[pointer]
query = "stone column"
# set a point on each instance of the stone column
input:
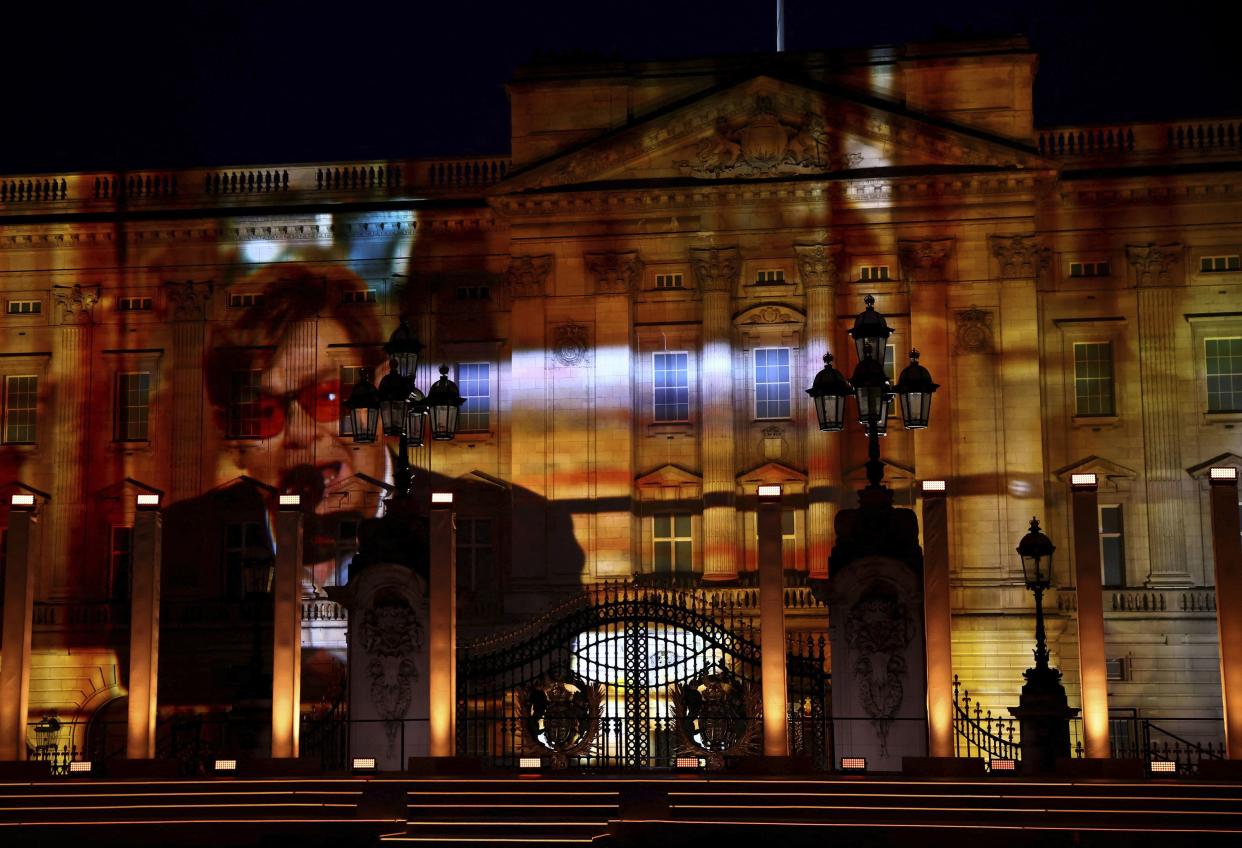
(1227, 550)
(772, 624)
(716, 275)
(938, 619)
(1093, 676)
(144, 628)
(19, 581)
(71, 378)
(1156, 270)
(187, 304)
(613, 277)
(287, 629)
(526, 390)
(819, 267)
(442, 627)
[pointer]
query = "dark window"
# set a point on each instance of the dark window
(246, 405)
(120, 563)
(25, 307)
(1112, 546)
(21, 409)
(475, 557)
(673, 544)
(245, 544)
(133, 406)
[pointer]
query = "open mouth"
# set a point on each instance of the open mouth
(311, 482)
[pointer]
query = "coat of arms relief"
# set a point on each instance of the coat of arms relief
(767, 144)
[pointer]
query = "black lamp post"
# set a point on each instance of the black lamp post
(1043, 710)
(401, 407)
(872, 390)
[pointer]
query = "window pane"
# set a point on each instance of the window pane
(663, 557)
(133, 395)
(662, 526)
(1114, 561)
(21, 403)
(787, 522)
(772, 383)
(671, 386)
(245, 396)
(683, 557)
(1093, 379)
(682, 526)
(1110, 519)
(474, 385)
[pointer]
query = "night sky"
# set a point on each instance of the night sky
(127, 84)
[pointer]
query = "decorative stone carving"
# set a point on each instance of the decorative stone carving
(768, 315)
(924, 260)
(392, 637)
(768, 144)
(569, 344)
(1021, 257)
(878, 630)
(75, 302)
(819, 264)
(1154, 263)
(561, 716)
(527, 275)
(974, 330)
(187, 301)
(615, 273)
(716, 269)
(773, 442)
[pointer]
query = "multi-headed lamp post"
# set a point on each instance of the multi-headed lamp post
(871, 389)
(402, 407)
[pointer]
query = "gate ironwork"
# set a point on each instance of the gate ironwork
(636, 645)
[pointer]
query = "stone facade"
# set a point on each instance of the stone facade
(647, 211)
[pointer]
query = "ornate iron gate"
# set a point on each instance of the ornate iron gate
(647, 674)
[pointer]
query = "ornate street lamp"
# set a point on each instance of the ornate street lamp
(1036, 550)
(401, 407)
(871, 389)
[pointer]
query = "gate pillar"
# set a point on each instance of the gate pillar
(772, 624)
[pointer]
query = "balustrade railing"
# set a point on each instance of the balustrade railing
(977, 733)
(1177, 138)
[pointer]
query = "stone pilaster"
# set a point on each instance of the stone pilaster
(716, 273)
(927, 264)
(187, 306)
(614, 276)
(71, 377)
(299, 363)
(527, 280)
(1156, 269)
(820, 267)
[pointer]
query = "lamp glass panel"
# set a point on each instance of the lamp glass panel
(365, 421)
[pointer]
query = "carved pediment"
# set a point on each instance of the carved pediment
(768, 128)
(772, 474)
(1110, 476)
(126, 487)
(770, 314)
(1224, 460)
(669, 475)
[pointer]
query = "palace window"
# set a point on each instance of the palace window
(1089, 269)
(673, 546)
(133, 406)
(1224, 374)
(1112, 545)
(873, 272)
(1093, 379)
(1117, 668)
(346, 548)
(245, 544)
(670, 372)
(474, 292)
(350, 375)
(1212, 264)
(351, 296)
(134, 304)
(474, 383)
(21, 408)
(669, 281)
(245, 405)
(240, 300)
(120, 563)
(474, 554)
(772, 382)
(775, 275)
(25, 307)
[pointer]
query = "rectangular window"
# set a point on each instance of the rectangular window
(120, 563)
(1231, 262)
(358, 296)
(346, 548)
(350, 374)
(245, 546)
(1112, 546)
(873, 272)
(1093, 379)
(474, 555)
(134, 304)
(669, 281)
(670, 373)
(133, 406)
(474, 292)
(1089, 269)
(473, 381)
(25, 307)
(772, 382)
(673, 544)
(1116, 668)
(245, 405)
(21, 409)
(241, 300)
(770, 276)
(1224, 374)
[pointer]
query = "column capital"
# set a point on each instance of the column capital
(1020, 256)
(1154, 264)
(716, 268)
(76, 302)
(527, 276)
(820, 264)
(925, 260)
(614, 273)
(187, 299)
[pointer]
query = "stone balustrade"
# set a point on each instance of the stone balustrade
(1121, 141)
